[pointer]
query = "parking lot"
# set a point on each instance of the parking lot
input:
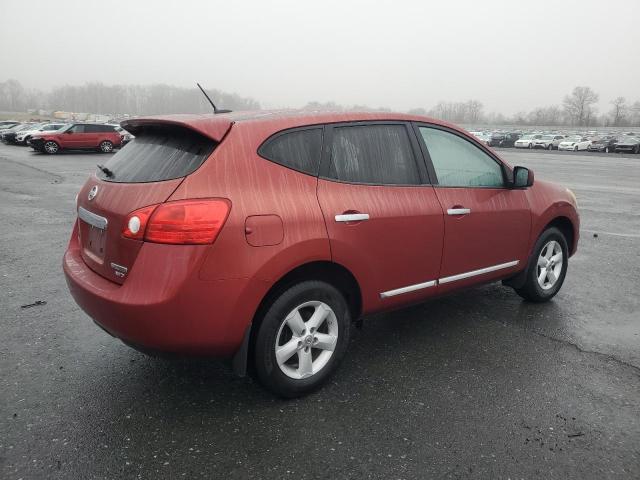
(474, 385)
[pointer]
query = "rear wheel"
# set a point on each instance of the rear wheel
(106, 146)
(547, 267)
(302, 338)
(51, 147)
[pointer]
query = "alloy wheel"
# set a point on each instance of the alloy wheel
(106, 147)
(306, 340)
(51, 147)
(550, 263)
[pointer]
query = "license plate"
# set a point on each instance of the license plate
(96, 241)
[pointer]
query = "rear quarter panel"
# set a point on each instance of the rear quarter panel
(256, 187)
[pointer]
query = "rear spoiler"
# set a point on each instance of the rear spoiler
(214, 127)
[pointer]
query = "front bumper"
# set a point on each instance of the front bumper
(163, 305)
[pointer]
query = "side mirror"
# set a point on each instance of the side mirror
(522, 177)
(69, 131)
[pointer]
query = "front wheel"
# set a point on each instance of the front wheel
(106, 146)
(302, 338)
(547, 267)
(51, 147)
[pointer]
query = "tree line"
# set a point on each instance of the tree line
(577, 109)
(118, 99)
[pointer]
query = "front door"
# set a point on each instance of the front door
(487, 225)
(383, 219)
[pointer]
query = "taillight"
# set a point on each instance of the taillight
(193, 222)
(136, 223)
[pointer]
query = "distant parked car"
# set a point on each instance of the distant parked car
(126, 136)
(23, 137)
(78, 136)
(628, 144)
(503, 139)
(8, 126)
(574, 143)
(9, 136)
(548, 142)
(526, 141)
(482, 137)
(604, 144)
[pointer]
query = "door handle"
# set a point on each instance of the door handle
(458, 211)
(352, 217)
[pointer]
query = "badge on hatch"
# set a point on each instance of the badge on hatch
(93, 192)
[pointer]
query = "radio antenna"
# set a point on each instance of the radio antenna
(216, 110)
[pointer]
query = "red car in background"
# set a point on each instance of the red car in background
(78, 136)
(262, 236)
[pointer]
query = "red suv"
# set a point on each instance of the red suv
(262, 236)
(78, 136)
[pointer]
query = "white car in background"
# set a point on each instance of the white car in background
(548, 142)
(575, 143)
(526, 141)
(23, 136)
(482, 137)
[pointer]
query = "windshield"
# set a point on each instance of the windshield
(49, 128)
(527, 137)
(547, 137)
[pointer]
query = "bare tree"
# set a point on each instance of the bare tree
(579, 105)
(619, 111)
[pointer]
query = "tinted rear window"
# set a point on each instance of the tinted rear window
(157, 154)
(376, 154)
(297, 149)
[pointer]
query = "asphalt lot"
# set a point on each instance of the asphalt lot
(474, 385)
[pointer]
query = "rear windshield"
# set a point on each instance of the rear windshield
(158, 153)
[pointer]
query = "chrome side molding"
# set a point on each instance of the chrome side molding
(410, 288)
(481, 271)
(453, 278)
(92, 219)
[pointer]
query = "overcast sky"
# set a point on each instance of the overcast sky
(510, 55)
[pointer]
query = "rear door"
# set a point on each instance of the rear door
(487, 225)
(91, 136)
(382, 216)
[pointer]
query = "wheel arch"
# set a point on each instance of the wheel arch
(568, 229)
(331, 272)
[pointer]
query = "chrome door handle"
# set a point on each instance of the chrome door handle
(458, 211)
(352, 217)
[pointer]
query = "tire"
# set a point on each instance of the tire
(575, 149)
(106, 146)
(287, 376)
(606, 149)
(51, 147)
(550, 147)
(636, 150)
(534, 289)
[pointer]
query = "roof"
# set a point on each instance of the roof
(215, 126)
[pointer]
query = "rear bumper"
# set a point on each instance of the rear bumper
(163, 305)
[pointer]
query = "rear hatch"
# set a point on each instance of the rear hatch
(144, 172)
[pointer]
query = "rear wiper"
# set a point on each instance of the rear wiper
(105, 170)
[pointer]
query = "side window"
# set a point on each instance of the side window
(92, 128)
(298, 149)
(378, 154)
(459, 163)
(77, 129)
